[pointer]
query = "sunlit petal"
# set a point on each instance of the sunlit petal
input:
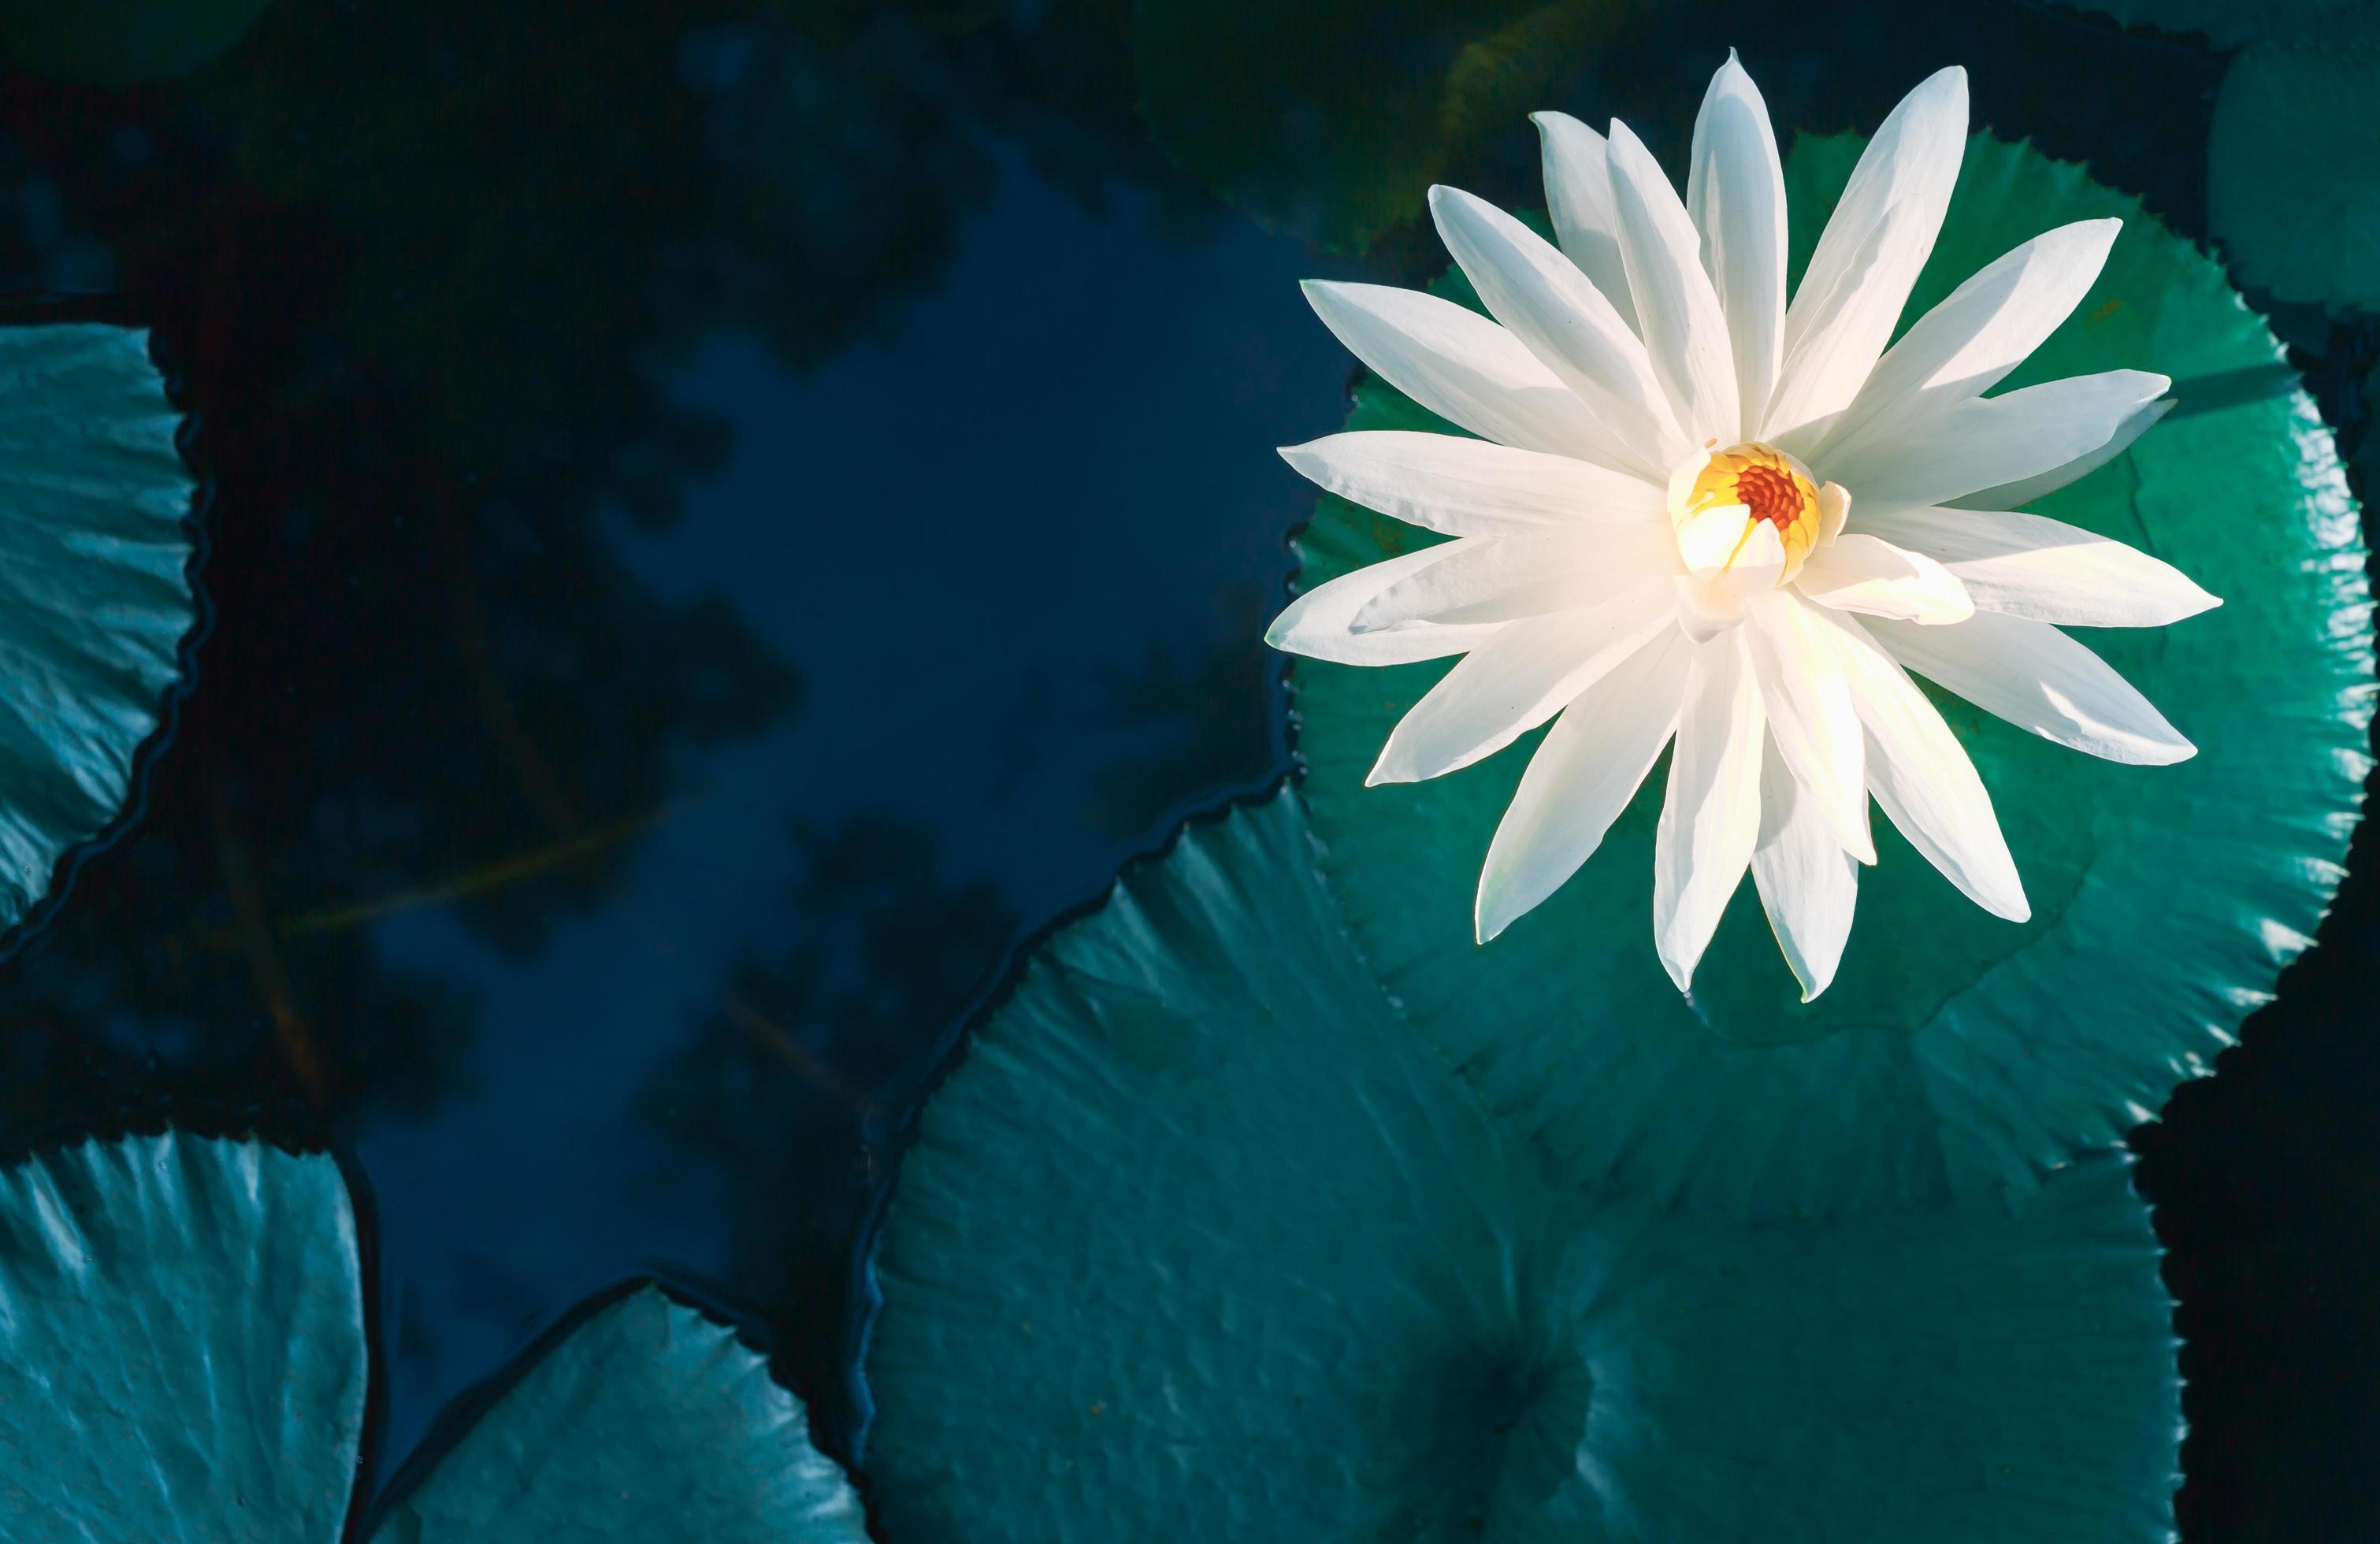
(2031, 566)
(1735, 191)
(1470, 487)
(1808, 885)
(1589, 766)
(1710, 818)
(2037, 678)
(1868, 257)
(1515, 681)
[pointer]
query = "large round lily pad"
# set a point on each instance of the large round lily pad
(1200, 1240)
(1955, 1052)
(94, 588)
(182, 1360)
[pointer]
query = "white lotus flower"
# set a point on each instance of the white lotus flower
(1696, 512)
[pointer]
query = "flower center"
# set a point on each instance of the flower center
(1767, 485)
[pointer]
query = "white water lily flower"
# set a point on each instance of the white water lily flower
(1695, 512)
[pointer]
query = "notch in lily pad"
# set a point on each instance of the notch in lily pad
(182, 1355)
(1201, 1239)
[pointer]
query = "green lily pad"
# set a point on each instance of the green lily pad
(648, 1422)
(94, 588)
(182, 1358)
(1200, 1240)
(120, 43)
(1955, 1052)
(2304, 223)
(181, 1346)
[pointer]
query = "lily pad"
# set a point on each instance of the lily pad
(1200, 1240)
(120, 43)
(182, 1357)
(2304, 225)
(1955, 1052)
(94, 587)
(181, 1345)
(650, 1422)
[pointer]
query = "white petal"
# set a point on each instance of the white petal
(1685, 334)
(1812, 720)
(1861, 573)
(2017, 494)
(1470, 487)
(1580, 778)
(1834, 509)
(1999, 439)
(1920, 773)
(2037, 678)
(1968, 343)
(1710, 817)
(1708, 539)
(1458, 364)
(1578, 195)
(1735, 191)
(1318, 623)
(1481, 579)
(1515, 681)
(1868, 257)
(1545, 301)
(1808, 884)
(2033, 566)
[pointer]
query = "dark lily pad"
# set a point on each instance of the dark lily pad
(1955, 1052)
(1201, 1240)
(182, 1358)
(120, 43)
(2226, 23)
(94, 587)
(2293, 171)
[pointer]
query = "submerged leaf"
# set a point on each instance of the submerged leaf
(1202, 1240)
(1954, 1052)
(181, 1346)
(94, 588)
(120, 43)
(648, 1421)
(1332, 119)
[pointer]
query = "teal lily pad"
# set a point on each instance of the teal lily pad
(1955, 1052)
(181, 1345)
(182, 1357)
(2293, 171)
(121, 42)
(94, 587)
(650, 1422)
(1201, 1240)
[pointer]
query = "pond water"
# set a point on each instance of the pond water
(724, 517)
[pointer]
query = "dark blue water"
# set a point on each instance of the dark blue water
(724, 517)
